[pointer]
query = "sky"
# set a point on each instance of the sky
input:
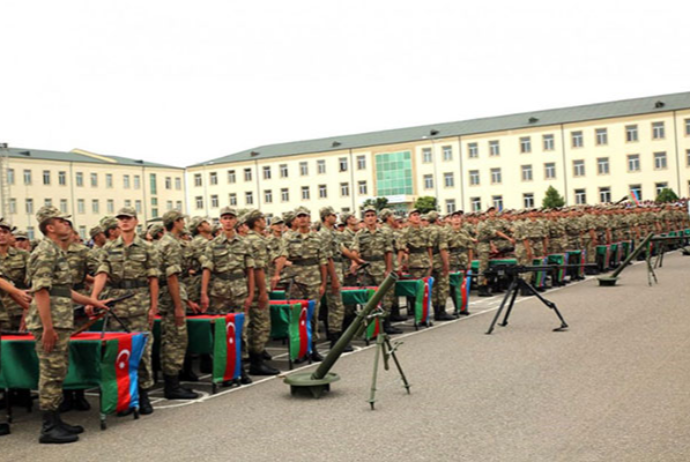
(184, 82)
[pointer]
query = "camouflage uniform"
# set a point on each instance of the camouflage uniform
(521, 233)
(459, 244)
(193, 282)
(372, 246)
(486, 232)
(15, 268)
(557, 236)
(78, 255)
(260, 319)
(331, 241)
(228, 260)
(441, 286)
(588, 223)
(415, 241)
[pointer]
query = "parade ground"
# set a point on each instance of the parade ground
(613, 387)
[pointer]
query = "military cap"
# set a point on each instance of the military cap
(242, 219)
(194, 223)
(326, 211)
(216, 227)
(277, 221)
(289, 215)
(385, 213)
(302, 211)
(228, 211)
(126, 212)
(6, 224)
(433, 215)
(108, 223)
(45, 213)
(411, 211)
(19, 235)
(171, 216)
(370, 208)
(253, 214)
(155, 229)
(457, 212)
(491, 208)
(345, 216)
(95, 231)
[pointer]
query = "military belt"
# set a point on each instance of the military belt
(306, 262)
(375, 258)
(20, 285)
(230, 275)
(129, 284)
(61, 290)
(435, 250)
(80, 286)
(338, 259)
(456, 249)
(413, 249)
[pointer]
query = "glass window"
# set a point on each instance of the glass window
(362, 187)
(232, 178)
(577, 140)
(213, 178)
(447, 153)
(603, 165)
(154, 184)
(497, 202)
(46, 177)
(31, 234)
(82, 232)
(79, 179)
(267, 172)
(660, 187)
(344, 189)
(320, 166)
(393, 173)
(580, 196)
(526, 173)
(249, 198)
(13, 206)
(474, 177)
(95, 206)
(128, 202)
(472, 150)
(214, 201)
(476, 204)
(342, 164)
(323, 191)
(361, 162)
(27, 177)
(199, 202)
(178, 206)
(137, 182)
(109, 180)
(450, 206)
(496, 176)
(605, 194)
(631, 133)
(94, 180)
(247, 174)
(232, 199)
(303, 169)
(284, 195)
(81, 206)
(168, 205)
(283, 170)
(549, 171)
(62, 178)
(426, 156)
(548, 143)
(168, 183)
(178, 183)
(428, 181)
(687, 157)
(138, 207)
(494, 148)
(659, 160)
(10, 176)
(633, 162)
(305, 193)
(525, 145)
(658, 131)
(268, 196)
(578, 168)
(48, 202)
(602, 136)
(197, 179)
(448, 179)
(110, 206)
(528, 200)
(636, 190)
(687, 126)
(63, 205)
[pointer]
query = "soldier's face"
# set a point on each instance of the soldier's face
(456, 220)
(303, 221)
(228, 222)
(179, 224)
(5, 236)
(127, 224)
(414, 218)
(61, 228)
(370, 218)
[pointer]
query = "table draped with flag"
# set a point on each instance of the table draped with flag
(291, 320)
(419, 290)
(460, 283)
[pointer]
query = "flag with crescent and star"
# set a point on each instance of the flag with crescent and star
(423, 300)
(227, 347)
(120, 387)
(301, 313)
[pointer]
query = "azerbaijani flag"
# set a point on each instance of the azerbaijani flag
(120, 385)
(465, 292)
(634, 198)
(227, 347)
(423, 300)
(374, 329)
(301, 314)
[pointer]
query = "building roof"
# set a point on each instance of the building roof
(81, 156)
(623, 108)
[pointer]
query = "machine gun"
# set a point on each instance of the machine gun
(80, 313)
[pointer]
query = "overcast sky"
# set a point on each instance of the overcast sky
(183, 82)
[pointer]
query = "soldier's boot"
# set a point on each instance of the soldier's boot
(315, 355)
(4, 429)
(73, 429)
(52, 432)
(21, 398)
(266, 356)
(389, 329)
(244, 378)
(173, 390)
(187, 374)
(348, 319)
(334, 337)
(484, 291)
(441, 315)
(257, 366)
(145, 407)
(396, 316)
(67, 403)
(79, 401)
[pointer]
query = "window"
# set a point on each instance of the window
(48, 202)
(497, 202)
(109, 180)
(450, 206)
(110, 206)
(283, 170)
(476, 204)
(320, 166)
(197, 179)
(79, 179)
(660, 187)
(636, 190)
(10, 176)
(168, 183)
(95, 206)
(525, 145)
(63, 205)
(267, 172)
(178, 206)
(549, 171)
(548, 143)
(447, 153)
(344, 189)
(602, 136)
(526, 173)
(362, 187)
(284, 195)
(214, 201)
(472, 150)
(687, 157)
(94, 180)
(30, 233)
(342, 164)
(633, 162)
(687, 126)
(474, 177)
(303, 169)
(448, 179)
(323, 192)
(305, 193)
(27, 177)
(46, 177)
(428, 181)
(361, 162)
(81, 207)
(528, 200)
(268, 196)
(658, 131)
(154, 183)
(249, 198)
(13, 206)
(247, 174)
(232, 199)
(494, 149)
(128, 203)
(154, 206)
(496, 176)
(213, 178)
(137, 182)
(232, 178)
(393, 173)
(178, 183)
(603, 165)
(659, 160)
(580, 196)
(62, 178)
(137, 204)
(631, 133)
(199, 202)
(578, 168)
(82, 232)
(426, 156)
(577, 139)
(605, 194)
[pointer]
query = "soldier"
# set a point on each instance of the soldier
(129, 264)
(391, 227)
(15, 263)
(227, 282)
(98, 238)
(51, 319)
(332, 243)
(414, 254)
(304, 250)
(459, 245)
(259, 329)
(440, 268)
(350, 263)
(22, 241)
(487, 233)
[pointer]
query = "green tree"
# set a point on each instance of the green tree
(552, 199)
(667, 195)
(379, 203)
(425, 204)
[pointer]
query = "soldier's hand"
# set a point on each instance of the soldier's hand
(180, 317)
(274, 282)
(204, 303)
(446, 271)
(247, 305)
(263, 301)
(152, 317)
(102, 304)
(335, 287)
(322, 290)
(353, 268)
(23, 297)
(49, 339)
(194, 306)
(89, 310)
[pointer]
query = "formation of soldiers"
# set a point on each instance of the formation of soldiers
(182, 266)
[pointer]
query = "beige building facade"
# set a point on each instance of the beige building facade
(85, 185)
(590, 154)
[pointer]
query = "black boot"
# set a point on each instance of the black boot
(347, 320)
(79, 401)
(145, 407)
(258, 367)
(389, 329)
(441, 315)
(244, 378)
(265, 355)
(395, 314)
(187, 374)
(52, 432)
(334, 337)
(73, 429)
(4, 429)
(67, 403)
(484, 291)
(173, 390)
(315, 355)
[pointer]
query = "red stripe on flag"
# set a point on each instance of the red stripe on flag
(124, 352)
(231, 348)
(425, 303)
(303, 335)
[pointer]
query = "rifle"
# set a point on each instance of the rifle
(80, 313)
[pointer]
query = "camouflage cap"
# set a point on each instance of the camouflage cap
(370, 208)
(433, 215)
(411, 211)
(277, 221)
(326, 211)
(457, 212)
(6, 224)
(155, 229)
(194, 223)
(126, 212)
(345, 216)
(424, 217)
(228, 211)
(385, 213)
(171, 216)
(241, 220)
(253, 214)
(45, 213)
(289, 215)
(301, 210)
(95, 231)
(108, 223)
(19, 235)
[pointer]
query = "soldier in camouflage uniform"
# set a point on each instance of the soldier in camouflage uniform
(460, 245)
(441, 267)
(332, 243)
(129, 264)
(392, 228)
(14, 263)
(414, 248)
(22, 241)
(51, 319)
(488, 233)
(98, 238)
(259, 329)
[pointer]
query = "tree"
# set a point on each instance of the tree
(425, 204)
(379, 203)
(552, 199)
(667, 195)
